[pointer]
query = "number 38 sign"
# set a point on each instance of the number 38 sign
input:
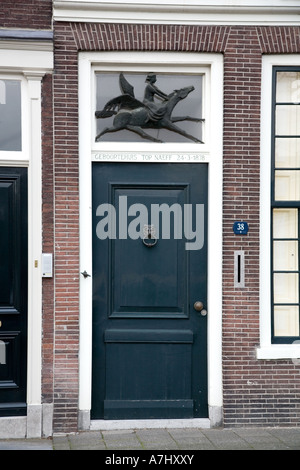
(240, 228)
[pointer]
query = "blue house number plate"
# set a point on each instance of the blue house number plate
(240, 228)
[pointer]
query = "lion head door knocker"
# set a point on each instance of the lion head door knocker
(149, 239)
(135, 115)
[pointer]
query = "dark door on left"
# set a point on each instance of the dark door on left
(13, 291)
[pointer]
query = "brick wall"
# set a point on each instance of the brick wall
(48, 238)
(255, 392)
(23, 14)
(65, 89)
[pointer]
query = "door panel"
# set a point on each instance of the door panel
(142, 373)
(13, 292)
(149, 343)
(146, 287)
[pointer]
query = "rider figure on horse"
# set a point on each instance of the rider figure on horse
(156, 111)
(131, 114)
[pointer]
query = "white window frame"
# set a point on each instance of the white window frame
(188, 147)
(266, 349)
(142, 148)
(212, 154)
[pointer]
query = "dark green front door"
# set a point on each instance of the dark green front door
(13, 291)
(149, 342)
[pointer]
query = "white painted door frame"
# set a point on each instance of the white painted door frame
(29, 61)
(212, 66)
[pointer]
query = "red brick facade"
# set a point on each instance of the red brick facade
(20, 14)
(255, 392)
(48, 238)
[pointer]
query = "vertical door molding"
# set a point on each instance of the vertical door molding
(34, 256)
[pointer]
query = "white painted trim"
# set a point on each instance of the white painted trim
(213, 64)
(34, 243)
(210, 12)
(35, 46)
(18, 59)
(267, 350)
(85, 193)
(279, 351)
(18, 56)
(163, 62)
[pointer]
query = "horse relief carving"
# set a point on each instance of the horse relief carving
(135, 115)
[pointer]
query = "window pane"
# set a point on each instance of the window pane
(108, 88)
(10, 115)
(285, 255)
(287, 185)
(285, 288)
(286, 190)
(288, 120)
(285, 223)
(288, 87)
(286, 320)
(287, 153)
